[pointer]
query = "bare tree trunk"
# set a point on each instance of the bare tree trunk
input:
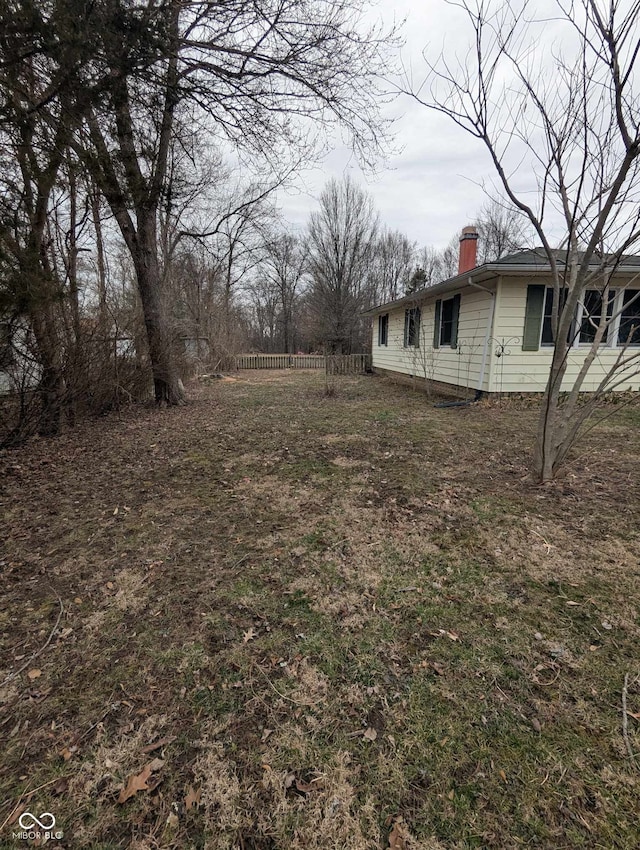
(100, 257)
(546, 448)
(167, 385)
(286, 330)
(548, 454)
(51, 382)
(75, 344)
(72, 262)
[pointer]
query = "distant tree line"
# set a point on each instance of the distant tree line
(131, 252)
(347, 261)
(120, 227)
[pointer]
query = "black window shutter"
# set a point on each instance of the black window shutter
(379, 330)
(436, 324)
(455, 315)
(406, 328)
(533, 317)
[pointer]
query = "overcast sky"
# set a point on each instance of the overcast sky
(429, 190)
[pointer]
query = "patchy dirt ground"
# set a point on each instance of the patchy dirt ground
(276, 619)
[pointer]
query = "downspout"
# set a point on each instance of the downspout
(485, 351)
(487, 336)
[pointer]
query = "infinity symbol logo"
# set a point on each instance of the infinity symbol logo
(46, 820)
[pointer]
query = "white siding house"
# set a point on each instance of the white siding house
(459, 364)
(19, 369)
(487, 330)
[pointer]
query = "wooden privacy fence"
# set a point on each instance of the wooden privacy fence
(335, 364)
(280, 361)
(348, 364)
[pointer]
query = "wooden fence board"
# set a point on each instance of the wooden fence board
(335, 364)
(348, 364)
(280, 361)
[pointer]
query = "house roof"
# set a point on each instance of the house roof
(532, 261)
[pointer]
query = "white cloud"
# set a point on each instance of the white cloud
(429, 189)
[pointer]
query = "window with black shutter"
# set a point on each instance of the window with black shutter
(383, 329)
(546, 338)
(412, 327)
(448, 314)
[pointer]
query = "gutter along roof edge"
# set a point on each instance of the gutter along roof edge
(487, 271)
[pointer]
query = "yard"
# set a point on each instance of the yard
(277, 619)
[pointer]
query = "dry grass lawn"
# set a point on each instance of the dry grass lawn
(276, 619)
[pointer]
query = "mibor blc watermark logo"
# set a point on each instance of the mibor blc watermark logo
(43, 826)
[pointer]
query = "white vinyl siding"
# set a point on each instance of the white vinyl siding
(527, 371)
(458, 366)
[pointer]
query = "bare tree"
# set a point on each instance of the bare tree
(282, 275)
(264, 312)
(391, 266)
(239, 247)
(428, 270)
(265, 76)
(502, 229)
(341, 239)
(570, 115)
(35, 153)
(213, 229)
(434, 265)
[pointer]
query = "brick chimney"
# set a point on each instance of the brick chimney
(468, 249)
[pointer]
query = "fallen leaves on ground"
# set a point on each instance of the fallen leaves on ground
(141, 781)
(192, 799)
(67, 752)
(163, 742)
(291, 545)
(397, 836)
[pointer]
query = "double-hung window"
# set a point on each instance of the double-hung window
(447, 314)
(622, 317)
(383, 329)
(412, 327)
(446, 322)
(590, 315)
(538, 318)
(629, 329)
(547, 332)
